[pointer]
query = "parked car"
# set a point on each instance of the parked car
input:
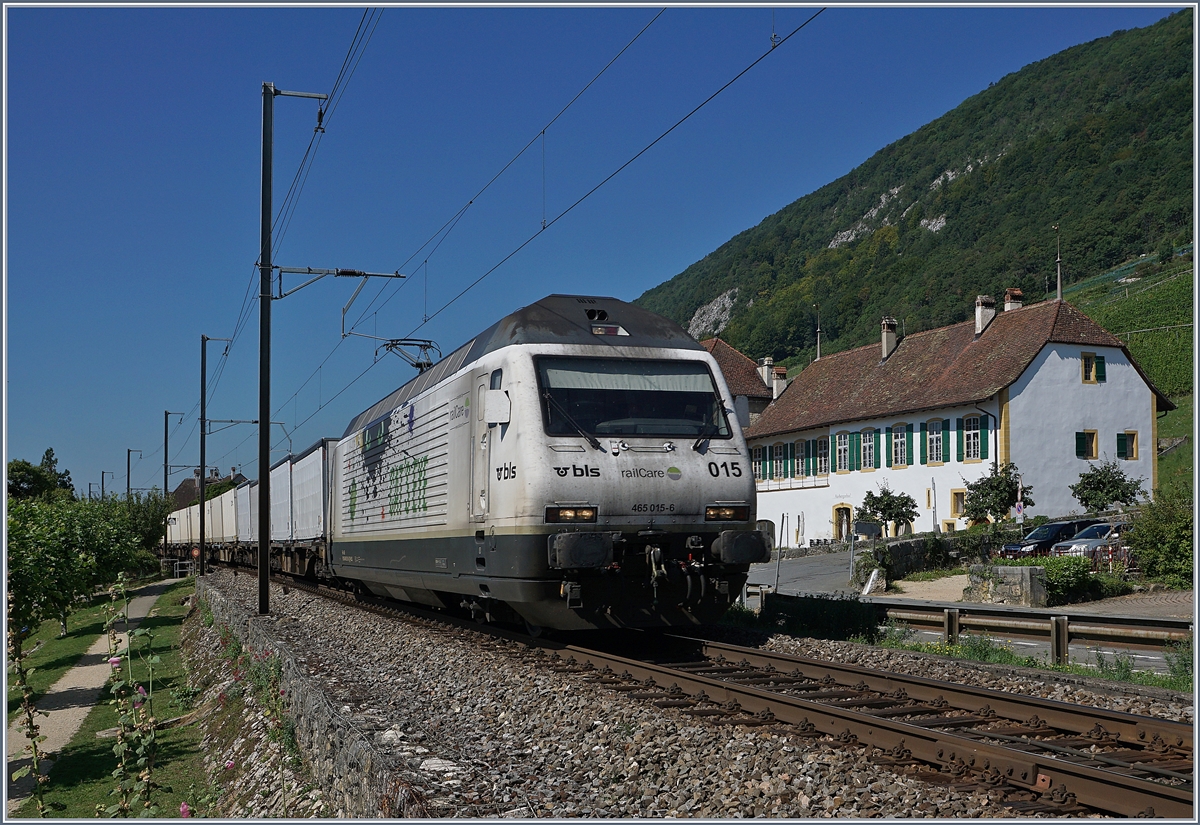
(1043, 537)
(1087, 540)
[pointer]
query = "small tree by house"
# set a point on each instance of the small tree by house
(888, 506)
(1162, 537)
(993, 496)
(1104, 485)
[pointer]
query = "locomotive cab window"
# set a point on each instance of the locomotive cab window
(608, 396)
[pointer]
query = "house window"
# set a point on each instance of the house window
(899, 446)
(934, 442)
(1087, 445)
(971, 438)
(798, 469)
(777, 468)
(958, 503)
(843, 452)
(758, 464)
(868, 448)
(1127, 445)
(822, 456)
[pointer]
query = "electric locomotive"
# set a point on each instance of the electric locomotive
(576, 465)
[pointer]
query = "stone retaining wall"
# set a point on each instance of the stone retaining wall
(352, 775)
(1025, 586)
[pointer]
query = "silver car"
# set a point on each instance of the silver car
(1087, 540)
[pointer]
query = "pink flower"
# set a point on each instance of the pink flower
(184, 810)
(282, 692)
(115, 661)
(229, 764)
(141, 690)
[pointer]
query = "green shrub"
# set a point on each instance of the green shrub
(1068, 578)
(1160, 537)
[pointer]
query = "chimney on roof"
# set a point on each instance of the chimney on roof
(779, 381)
(888, 336)
(765, 367)
(985, 311)
(1013, 298)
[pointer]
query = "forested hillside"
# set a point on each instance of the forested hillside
(1096, 139)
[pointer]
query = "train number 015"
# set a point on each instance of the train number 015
(715, 470)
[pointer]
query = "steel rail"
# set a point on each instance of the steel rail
(1061, 715)
(1044, 773)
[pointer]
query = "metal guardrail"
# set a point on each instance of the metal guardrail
(1060, 627)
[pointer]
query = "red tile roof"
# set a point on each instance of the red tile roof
(741, 373)
(941, 367)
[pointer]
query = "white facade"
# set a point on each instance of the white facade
(1050, 403)
(1036, 423)
(815, 500)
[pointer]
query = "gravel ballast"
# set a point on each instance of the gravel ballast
(473, 729)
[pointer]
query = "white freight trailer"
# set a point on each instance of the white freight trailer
(281, 501)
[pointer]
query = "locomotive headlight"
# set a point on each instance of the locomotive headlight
(726, 513)
(565, 515)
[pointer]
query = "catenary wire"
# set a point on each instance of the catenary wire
(616, 172)
(444, 231)
(570, 208)
(449, 225)
(581, 200)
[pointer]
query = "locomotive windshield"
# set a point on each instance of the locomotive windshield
(605, 396)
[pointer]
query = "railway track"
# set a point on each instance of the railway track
(1044, 755)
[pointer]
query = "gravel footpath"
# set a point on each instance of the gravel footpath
(476, 731)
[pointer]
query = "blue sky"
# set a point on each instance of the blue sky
(133, 141)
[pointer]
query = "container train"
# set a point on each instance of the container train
(576, 466)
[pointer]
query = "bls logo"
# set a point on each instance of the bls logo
(578, 472)
(505, 472)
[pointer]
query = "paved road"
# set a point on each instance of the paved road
(826, 573)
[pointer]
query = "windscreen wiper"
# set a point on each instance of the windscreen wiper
(710, 429)
(567, 417)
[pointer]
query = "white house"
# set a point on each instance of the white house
(1043, 387)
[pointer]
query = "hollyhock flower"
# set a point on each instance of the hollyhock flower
(115, 661)
(184, 810)
(229, 764)
(141, 690)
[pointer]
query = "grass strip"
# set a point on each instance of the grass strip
(81, 778)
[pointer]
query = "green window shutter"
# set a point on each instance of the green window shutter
(1100, 368)
(855, 451)
(908, 447)
(790, 451)
(924, 444)
(1081, 445)
(807, 457)
(875, 436)
(1122, 446)
(983, 436)
(958, 424)
(770, 460)
(887, 453)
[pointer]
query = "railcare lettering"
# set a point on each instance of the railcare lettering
(407, 482)
(642, 472)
